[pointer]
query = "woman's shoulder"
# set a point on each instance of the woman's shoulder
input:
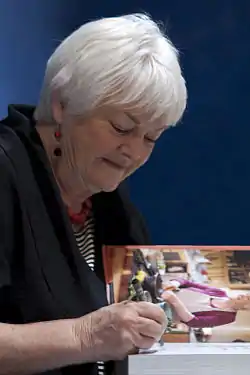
(14, 155)
(8, 152)
(8, 191)
(6, 167)
(8, 141)
(9, 206)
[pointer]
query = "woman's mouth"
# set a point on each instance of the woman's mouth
(114, 164)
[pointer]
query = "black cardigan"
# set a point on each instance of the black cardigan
(42, 274)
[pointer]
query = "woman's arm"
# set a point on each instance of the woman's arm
(28, 348)
(180, 309)
(202, 288)
(38, 347)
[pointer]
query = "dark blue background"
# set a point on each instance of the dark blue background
(196, 187)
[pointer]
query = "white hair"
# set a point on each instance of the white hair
(124, 61)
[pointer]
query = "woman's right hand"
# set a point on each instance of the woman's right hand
(114, 331)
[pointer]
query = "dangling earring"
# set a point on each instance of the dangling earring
(57, 150)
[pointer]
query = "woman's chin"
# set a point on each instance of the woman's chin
(105, 186)
(110, 188)
(111, 185)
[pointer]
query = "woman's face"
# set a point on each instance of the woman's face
(109, 146)
(241, 302)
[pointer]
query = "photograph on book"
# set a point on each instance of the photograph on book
(204, 291)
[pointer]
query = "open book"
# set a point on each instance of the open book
(205, 281)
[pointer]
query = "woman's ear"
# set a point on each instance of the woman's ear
(57, 108)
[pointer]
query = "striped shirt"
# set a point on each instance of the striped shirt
(84, 235)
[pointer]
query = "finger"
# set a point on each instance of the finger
(142, 342)
(145, 342)
(150, 328)
(127, 302)
(133, 351)
(151, 311)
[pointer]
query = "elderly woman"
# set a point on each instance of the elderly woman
(110, 90)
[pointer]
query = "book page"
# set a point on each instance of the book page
(209, 282)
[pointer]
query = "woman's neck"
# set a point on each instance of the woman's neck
(72, 192)
(70, 197)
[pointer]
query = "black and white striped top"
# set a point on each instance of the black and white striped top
(84, 235)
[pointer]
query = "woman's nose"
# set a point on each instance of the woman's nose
(133, 148)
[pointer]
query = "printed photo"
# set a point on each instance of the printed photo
(205, 292)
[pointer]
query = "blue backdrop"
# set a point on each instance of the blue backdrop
(196, 187)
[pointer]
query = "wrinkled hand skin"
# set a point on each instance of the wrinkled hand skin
(117, 330)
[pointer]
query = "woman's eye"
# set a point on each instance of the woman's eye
(119, 129)
(150, 140)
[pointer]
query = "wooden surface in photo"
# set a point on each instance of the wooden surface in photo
(219, 269)
(183, 337)
(181, 253)
(120, 267)
(216, 269)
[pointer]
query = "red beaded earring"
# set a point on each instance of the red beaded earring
(57, 134)
(57, 151)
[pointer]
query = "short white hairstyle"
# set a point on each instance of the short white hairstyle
(124, 61)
